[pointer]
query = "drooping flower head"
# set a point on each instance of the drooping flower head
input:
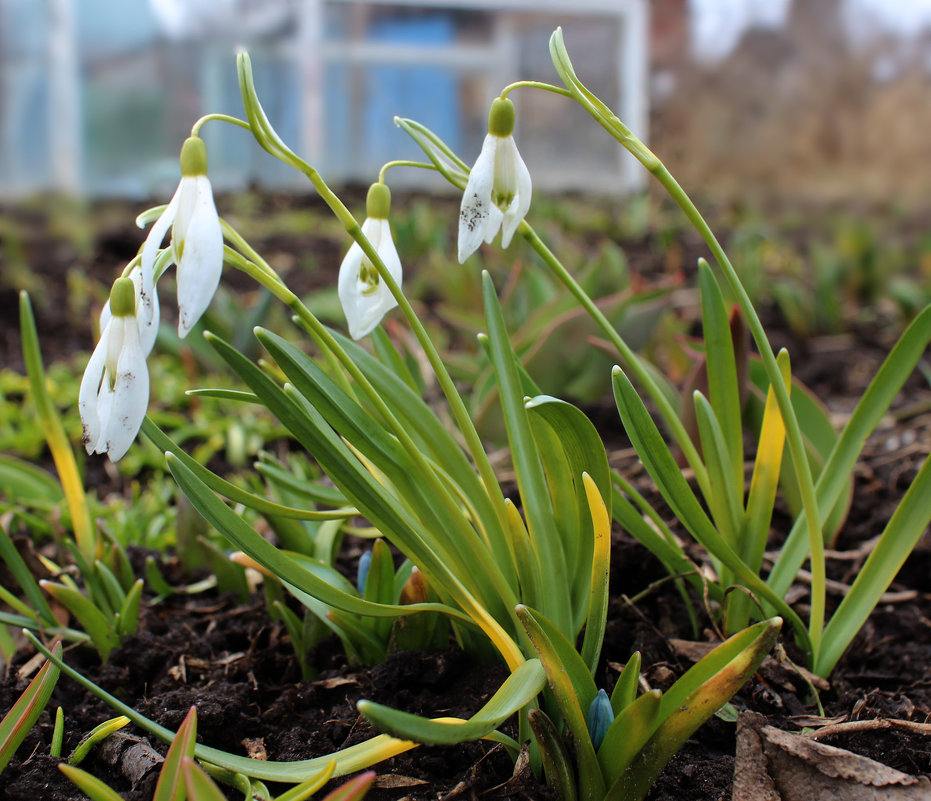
(114, 391)
(196, 237)
(364, 296)
(497, 194)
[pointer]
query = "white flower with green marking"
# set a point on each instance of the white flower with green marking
(196, 237)
(497, 194)
(363, 294)
(114, 392)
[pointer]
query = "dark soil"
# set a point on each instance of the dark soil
(238, 668)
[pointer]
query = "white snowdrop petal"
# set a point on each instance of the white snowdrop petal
(87, 394)
(476, 213)
(201, 263)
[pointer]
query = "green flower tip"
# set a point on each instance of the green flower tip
(123, 298)
(501, 117)
(193, 157)
(378, 202)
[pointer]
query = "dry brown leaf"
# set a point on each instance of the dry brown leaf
(389, 782)
(775, 765)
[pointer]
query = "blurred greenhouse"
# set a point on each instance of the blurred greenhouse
(97, 95)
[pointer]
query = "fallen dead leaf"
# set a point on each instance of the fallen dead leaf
(775, 765)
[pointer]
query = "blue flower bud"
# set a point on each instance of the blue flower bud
(362, 572)
(600, 718)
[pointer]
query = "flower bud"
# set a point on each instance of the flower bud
(600, 717)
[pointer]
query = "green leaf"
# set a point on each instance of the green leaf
(722, 370)
(897, 541)
(198, 785)
(27, 582)
(236, 494)
(90, 785)
(25, 712)
(662, 467)
(573, 688)
(27, 483)
(726, 499)
(171, 786)
(835, 476)
(283, 565)
(518, 690)
(694, 698)
(625, 691)
(100, 628)
(531, 481)
(628, 733)
(557, 765)
(94, 736)
(129, 612)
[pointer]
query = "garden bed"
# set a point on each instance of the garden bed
(239, 669)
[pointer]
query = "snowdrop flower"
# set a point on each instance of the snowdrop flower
(114, 391)
(196, 237)
(497, 194)
(364, 296)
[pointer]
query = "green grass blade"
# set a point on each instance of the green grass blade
(284, 566)
(726, 499)
(94, 736)
(25, 712)
(27, 483)
(625, 690)
(307, 788)
(129, 612)
(900, 536)
(518, 690)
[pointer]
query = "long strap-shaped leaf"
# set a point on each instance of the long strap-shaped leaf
(236, 494)
(900, 536)
(429, 432)
(882, 390)
(531, 481)
(518, 690)
(662, 468)
(345, 470)
(438, 510)
(25, 712)
(574, 690)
